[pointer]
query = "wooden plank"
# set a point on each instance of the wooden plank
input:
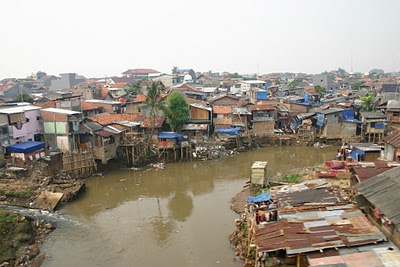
(47, 200)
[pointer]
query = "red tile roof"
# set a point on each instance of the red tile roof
(49, 104)
(192, 101)
(107, 118)
(222, 110)
(4, 87)
(104, 93)
(189, 88)
(140, 98)
(118, 85)
(87, 106)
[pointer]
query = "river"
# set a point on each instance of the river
(176, 216)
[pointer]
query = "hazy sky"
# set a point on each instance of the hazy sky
(99, 38)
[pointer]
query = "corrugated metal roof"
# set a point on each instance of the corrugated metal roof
(61, 111)
(393, 104)
(103, 133)
(330, 111)
(384, 257)
(222, 110)
(393, 139)
(364, 171)
(382, 191)
(241, 111)
(319, 196)
(303, 232)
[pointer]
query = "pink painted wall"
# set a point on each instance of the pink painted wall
(28, 128)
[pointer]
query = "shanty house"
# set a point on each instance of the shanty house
(26, 151)
(222, 116)
(392, 146)
(102, 139)
(379, 198)
(62, 128)
(393, 112)
(224, 100)
(365, 151)
(337, 123)
(107, 105)
(240, 117)
(20, 124)
(373, 125)
(169, 140)
(262, 120)
(257, 94)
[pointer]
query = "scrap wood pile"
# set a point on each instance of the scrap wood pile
(33, 188)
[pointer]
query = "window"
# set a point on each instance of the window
(38, 118)
(4, 130)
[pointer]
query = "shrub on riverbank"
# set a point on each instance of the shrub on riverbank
(292, 178)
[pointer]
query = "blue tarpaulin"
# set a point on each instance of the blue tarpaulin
(167, 135)
(26, 147)
(379, 126)
(348, 114)
(231, 131)
(260, 198)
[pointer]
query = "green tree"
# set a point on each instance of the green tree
(27, 85)
(136, 86)
(368, 102)
(293, 84)
(319, 89)
(155, 105)
(24, 97)
(174, 69)
(177, 111)
(356, 86)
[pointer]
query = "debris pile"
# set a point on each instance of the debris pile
(212, 152)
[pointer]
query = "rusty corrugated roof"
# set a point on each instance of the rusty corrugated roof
(303, 232)
(393, 139)
(109, 118)
(222, 110)
(383, 256)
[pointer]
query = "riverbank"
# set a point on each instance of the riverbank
(19, 239)
(241, 238)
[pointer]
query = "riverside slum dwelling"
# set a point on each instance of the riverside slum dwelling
(307, 223)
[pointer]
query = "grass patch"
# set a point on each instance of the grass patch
(20, 194)
(293, 178)
(6, 217)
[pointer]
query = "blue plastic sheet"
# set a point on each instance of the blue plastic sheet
(348, 114)
(231, 131)
(263, 197)
(169, 135)
(26, 147)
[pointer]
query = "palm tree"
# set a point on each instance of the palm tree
(155, 105)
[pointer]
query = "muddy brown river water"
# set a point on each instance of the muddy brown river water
(177, 216)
